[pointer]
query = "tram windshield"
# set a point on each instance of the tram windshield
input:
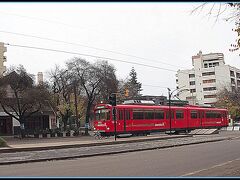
(102, 114)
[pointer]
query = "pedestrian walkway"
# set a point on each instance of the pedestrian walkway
(204, 131)
(117, 147)
(31, 144)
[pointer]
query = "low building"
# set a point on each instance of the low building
(44, 119)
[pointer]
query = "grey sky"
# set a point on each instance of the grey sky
(159, 33)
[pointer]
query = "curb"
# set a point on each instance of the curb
(12, 150)
(109, 153)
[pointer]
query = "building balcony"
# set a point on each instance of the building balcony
(4, 59)
(204, 85)
(209, 92)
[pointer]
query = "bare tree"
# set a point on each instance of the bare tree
(229, 99)
(62, 88)
(232, 14)
(109, 82)
(19, 97)
(97, 80)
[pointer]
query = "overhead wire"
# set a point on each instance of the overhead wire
(91, 47)
(101, 57)
(115, 52)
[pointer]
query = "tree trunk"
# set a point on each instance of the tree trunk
(76, 106)
(22, 130)
(87, 118)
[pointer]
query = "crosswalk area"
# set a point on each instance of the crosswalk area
(204, 131)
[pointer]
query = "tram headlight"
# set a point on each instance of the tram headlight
(94, 128)
(108, 128)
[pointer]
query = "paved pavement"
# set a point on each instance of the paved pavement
(31, 144)
(31, 150)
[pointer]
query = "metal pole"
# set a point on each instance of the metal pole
(170, 115)
(115, 123)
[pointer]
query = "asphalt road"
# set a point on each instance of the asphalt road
(208, 159)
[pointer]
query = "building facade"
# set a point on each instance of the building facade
(3, 58)
(208, 76)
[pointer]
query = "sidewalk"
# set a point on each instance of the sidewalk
(27, 152)
(34, 144)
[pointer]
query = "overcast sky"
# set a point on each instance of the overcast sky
(163, 35)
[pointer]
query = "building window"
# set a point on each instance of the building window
(209, 89)
(205, 65)
(238, 75)
(192, 90)
(232, 81)
(210, 96)
(209, 81)
(215, 64)
(238, 82)
(192, 82)
(231, 73)
(191, 75)
(176, 80)
(208, 73)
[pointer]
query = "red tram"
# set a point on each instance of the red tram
(143, 119)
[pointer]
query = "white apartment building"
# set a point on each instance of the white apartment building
(3, 58)
(208, 76)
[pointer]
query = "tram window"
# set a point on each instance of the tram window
(210, 114)
(179, 114)
(218, 115)
(138, 115)
(225, 114)
(172, 115)
(159, 114)
(127, 115)
(194, 114)
(103, 114)
(149, 114)
(120, 115)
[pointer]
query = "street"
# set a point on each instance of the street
(208, 159)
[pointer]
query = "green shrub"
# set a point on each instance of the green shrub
(3, 143)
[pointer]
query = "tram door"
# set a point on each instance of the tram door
(172, 121)
(127, 125)
(120, 120)
(201, 117)
(123, 120)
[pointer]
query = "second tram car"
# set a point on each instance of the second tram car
(143, 119)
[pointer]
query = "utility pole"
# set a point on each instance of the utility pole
(113, 102)
(170, 114)
(169, 103)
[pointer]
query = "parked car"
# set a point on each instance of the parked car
(237, 124)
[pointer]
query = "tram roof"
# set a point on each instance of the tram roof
(163, 107)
